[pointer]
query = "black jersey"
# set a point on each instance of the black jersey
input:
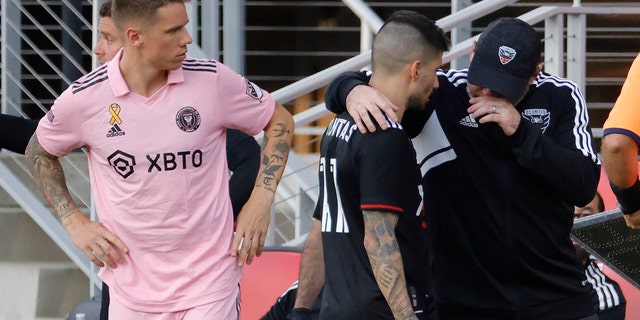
(500, 209)
(376, 172)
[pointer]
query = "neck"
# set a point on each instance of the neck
(141, 77)
(393, 90)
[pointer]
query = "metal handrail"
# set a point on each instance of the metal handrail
(65, 27)
(46, 33)
(28, 41)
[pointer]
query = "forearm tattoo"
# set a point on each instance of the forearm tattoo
(49, 177)
(275, 151)
(386, 261)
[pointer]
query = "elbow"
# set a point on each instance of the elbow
(33, 146)
(370, 243)
(282, 122)
(618, 145)
(589, 187)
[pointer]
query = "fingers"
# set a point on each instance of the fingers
(93, 257)
(365, 119)
(251, 229)
(111, 238)
(241, 250)
(236, 244)
(246, 250)
(240, 247)
(98, 244)
(257, 244)
(260, 245)
(480, 108)
(111, 256)
(104, 250)
(364, 102)
(248, 247)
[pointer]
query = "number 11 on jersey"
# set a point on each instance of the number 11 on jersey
(329, 179)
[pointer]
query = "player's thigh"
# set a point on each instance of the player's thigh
(228, 308)
(119, 311)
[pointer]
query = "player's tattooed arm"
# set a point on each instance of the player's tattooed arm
(386, 262)
(253, 221)
(49, 177)
(91, 237)
(275, 151)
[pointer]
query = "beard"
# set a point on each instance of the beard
(415, 103)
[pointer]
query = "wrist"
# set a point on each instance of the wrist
(70, 218)
(628, 198)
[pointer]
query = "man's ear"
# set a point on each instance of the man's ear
(536, 73)
(473, 50)
(415, 70)
(132, 35)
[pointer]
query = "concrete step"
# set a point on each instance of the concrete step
(40, 290)
(25, 241)
(37, 280)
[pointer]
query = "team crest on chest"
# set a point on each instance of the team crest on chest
(539, 117)
(188, 119)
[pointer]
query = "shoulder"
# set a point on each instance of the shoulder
(452, 76)
(557, 92)
(90, 80)
(200, 65)
(393, 138)
(549, 81)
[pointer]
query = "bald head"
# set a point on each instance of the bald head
(405, 37)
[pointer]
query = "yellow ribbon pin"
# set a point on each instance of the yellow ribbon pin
(114, 109)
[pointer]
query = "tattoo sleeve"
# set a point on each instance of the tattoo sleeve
(278, 137)
(49, 177)
(386, 261)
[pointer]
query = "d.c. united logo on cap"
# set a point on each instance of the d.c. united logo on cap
(506, 54)
(188, 119)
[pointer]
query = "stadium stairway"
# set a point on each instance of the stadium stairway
(38, 280)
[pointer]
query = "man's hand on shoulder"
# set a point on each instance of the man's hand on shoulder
(363, 102)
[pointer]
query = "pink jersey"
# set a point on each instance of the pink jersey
(159, 175)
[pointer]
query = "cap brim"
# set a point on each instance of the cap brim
(484, 75)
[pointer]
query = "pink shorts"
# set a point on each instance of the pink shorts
(223, 309)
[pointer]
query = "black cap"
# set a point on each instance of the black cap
(505, 58)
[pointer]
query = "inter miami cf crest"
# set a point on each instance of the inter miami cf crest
(254, 91)
(188, 119)
(539, 117)
(506, 54)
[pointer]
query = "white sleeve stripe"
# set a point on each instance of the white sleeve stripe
(607, 295)
(580, 130)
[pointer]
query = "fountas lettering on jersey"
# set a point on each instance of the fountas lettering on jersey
(341, 129)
